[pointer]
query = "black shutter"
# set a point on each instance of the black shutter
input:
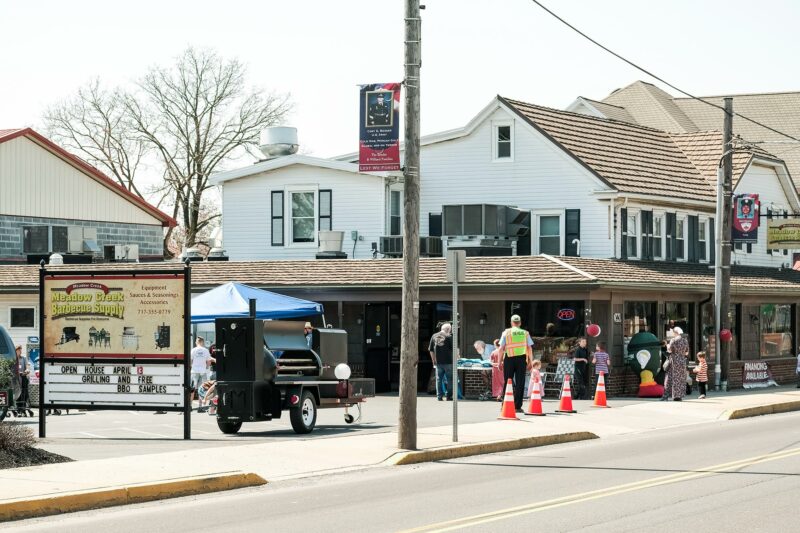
(325, 210)
(712, 244)
(647, 235)
(623, 245)
(572, 231)
(277, 229)
(693, 238)
(769, 217)
(435, 224)
(670, 237)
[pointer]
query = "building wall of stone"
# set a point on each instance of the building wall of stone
(148, 237)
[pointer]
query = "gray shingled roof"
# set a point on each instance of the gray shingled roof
(499, 272)
(630, 157)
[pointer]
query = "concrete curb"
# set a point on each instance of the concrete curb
(466, 450)
(760, 410)
(95, 499)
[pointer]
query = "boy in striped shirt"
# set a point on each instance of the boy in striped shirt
(601, 362)
(702, 374)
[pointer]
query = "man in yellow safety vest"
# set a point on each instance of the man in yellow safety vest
(517, 348)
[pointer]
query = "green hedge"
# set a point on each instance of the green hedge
(6, 370)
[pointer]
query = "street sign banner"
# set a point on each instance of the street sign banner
(379, 127)
(783, 234)
(744, 227)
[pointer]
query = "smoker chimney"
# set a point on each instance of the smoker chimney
(278, 141)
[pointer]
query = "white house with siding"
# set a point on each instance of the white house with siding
(594, 187)
(275, 209)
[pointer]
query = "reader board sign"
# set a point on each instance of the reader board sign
(142, 385)
(110, 317)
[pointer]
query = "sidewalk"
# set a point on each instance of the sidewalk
(86, 484)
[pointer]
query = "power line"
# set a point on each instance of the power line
(668, 84)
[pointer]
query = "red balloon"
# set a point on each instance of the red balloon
(593, 330)
(725, 335)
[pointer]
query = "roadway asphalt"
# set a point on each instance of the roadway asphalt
(732, 476)
(101, 434)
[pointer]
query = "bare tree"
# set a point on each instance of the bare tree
(189, 118)
(93, 124)
(195, 115)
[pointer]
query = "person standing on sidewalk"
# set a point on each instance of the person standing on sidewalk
(602, 362)
(517, 347)
(797, 370)
(201, 358)
(581, 357)
(441, 350)
(497, 371)
(675, 382)
(702, 374)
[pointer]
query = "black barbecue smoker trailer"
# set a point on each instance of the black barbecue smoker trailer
(265, 367)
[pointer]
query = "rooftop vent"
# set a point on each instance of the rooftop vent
(278, 141)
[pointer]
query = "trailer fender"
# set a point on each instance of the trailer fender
(297, 391)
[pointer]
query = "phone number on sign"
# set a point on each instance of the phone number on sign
(154, 311)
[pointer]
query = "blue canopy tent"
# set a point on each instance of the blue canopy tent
(233, 300)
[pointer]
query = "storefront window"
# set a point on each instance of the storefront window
(775, 326)
(564, 318)
(678, 314)
(639, 316)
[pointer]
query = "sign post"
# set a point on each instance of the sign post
(456, 272)
(114, 339)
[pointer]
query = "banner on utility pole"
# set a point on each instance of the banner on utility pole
(379, 127)
(745, 218)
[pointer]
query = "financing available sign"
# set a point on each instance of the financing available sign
(783, 234)
(110, 317)
(379, 127)
(756, 374)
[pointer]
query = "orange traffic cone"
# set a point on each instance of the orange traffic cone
(508, 412)
(565, 406)
(600, 393)
(535, 407)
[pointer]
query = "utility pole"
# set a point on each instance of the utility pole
(409, 329)
(723, 313)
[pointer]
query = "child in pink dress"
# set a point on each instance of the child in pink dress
(497, 371)
(536, 375)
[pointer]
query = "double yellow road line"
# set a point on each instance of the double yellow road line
(511, 512)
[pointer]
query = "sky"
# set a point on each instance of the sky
(318, 51)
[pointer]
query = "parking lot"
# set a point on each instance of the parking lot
(98, 434)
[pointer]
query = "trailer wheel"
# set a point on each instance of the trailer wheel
(304, 414)
(229, 428)
(348, 418)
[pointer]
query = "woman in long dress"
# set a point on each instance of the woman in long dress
(497, 371)
(675, 383)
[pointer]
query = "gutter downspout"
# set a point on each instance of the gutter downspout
(611, 226)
